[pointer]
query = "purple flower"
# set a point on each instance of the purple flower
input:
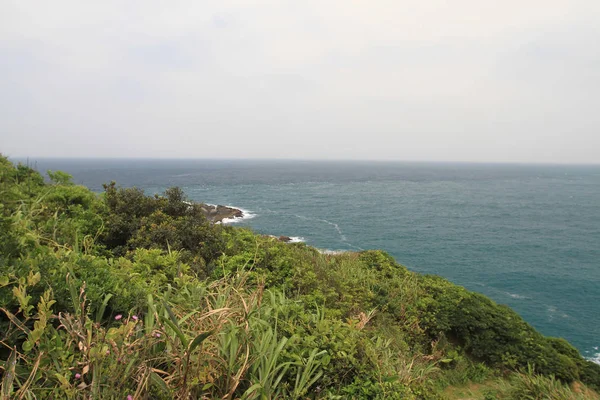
(135, 317)
(118, 317)
(77, 376)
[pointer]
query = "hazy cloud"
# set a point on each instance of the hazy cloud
(410, 80)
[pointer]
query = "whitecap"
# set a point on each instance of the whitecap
(552, 311)
(341, 234)
(246, 214)
(337, 228)
(297, 239)
(330, 252)
(516, 296)
(595, 358)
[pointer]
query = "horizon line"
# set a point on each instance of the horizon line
(274, 159)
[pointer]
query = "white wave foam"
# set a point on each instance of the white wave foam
(301, 217)
(595, 358)
(332, 252)
(336, 226)
(517, 296)
(246, 214)
(553, 311)
(293, 239)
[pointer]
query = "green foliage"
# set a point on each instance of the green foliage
(59, 177)
(168, 223)
(105, 296)
(494, 333)
(530, 386)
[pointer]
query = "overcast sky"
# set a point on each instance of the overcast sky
(460, 80)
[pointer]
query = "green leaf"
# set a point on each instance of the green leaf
(171, 314)
(159, 383)
(73, 290)
(130, 365)
(149, 317)
(27, 346)
(100, 312)
(252, 389)
(198, 340)
(188, 316)
(33, 279)
(178, 332)
(9, 375)
(63, 381)
(174, 324)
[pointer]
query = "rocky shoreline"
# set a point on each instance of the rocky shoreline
(282, 238)
(219, 214)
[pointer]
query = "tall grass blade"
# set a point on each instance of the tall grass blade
(174, 324)
(198, 340)
(178, 332)
(102, 308)
(159, 383)
(9, 375)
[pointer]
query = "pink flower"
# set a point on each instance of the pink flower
(118, 317)
(135, 317)
(77, 376)
(157, 334)
(129, 397)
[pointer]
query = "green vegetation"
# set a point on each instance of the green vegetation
(123, 294)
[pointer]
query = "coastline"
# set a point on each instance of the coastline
(221, 214)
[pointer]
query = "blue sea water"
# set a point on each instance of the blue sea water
(525, 235)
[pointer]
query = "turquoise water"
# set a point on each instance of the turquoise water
(527, 236)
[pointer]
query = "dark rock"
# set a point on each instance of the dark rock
(218, 213)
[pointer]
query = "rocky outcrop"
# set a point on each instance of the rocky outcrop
(217, 214)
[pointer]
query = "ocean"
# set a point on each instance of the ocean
(525, 235)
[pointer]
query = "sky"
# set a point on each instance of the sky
(460, 80)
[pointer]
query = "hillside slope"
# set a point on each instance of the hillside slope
(132, 295)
